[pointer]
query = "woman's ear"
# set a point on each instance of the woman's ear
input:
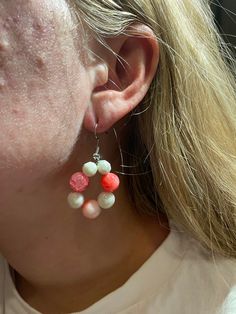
(122, 81)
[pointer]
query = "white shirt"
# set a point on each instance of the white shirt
(180, 277)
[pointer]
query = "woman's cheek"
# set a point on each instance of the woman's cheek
(43, 91)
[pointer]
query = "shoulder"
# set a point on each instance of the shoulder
(212, 268)
(199, 260)
(207, 280)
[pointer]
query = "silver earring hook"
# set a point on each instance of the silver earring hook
(96, 155)
(95, 130)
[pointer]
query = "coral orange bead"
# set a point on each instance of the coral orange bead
(110, 182)
(79, 182)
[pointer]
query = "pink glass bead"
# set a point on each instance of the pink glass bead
(79, 182)
(110, 182)
(91, 209)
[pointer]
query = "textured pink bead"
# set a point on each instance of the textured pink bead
(79, 182)
(110, 182)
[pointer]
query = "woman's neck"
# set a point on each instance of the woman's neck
(82, 292)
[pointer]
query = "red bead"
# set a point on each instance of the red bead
(110, 182)
(79, 182)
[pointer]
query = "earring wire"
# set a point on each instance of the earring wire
(96, 155)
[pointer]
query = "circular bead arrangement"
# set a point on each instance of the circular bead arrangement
(79, 182)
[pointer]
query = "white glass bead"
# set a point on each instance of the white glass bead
(106, 200)
(91, 209)
(104, 166)
(75, 199)
(90, 169)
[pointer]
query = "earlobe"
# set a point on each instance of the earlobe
(127, 82)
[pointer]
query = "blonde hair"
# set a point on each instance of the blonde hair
(185, 136)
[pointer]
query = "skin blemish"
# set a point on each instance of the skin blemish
(15, 111)
(15, 19)
(20, 190)
(10, 21)
(38, 26)
(39, 62)
(2, 84)
(6, 25)
(4, 45)
(40, 30)
(18, 112)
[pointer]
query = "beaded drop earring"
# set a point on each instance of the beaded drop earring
(79, 182)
